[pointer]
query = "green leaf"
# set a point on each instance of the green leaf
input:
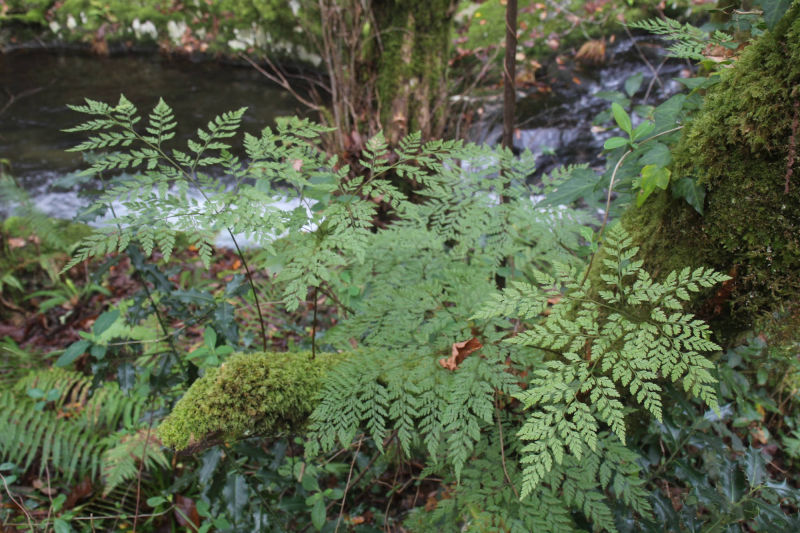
(622, 118)
(237, 495)
(318, 514)
(656, 154)
(126, 376)
(155, 501)
(774, 10)
(75, 350)
(755, 467)
(105, 321)
(691, 191)
(643, 130)
(210, 338)
(633, 83)
(615, 142)
(581, 185)
(61, 526)
(652, 176)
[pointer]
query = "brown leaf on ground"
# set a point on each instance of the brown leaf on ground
(460, 352)
(186, 513)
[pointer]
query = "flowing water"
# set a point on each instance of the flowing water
(37, 85)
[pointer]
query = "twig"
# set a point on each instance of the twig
(141, 469)
(18, 504)
(503, 450)
(314, 332)
(347, 485)
(279, 78)
(14, 97)
(641, 55)
(253, 288)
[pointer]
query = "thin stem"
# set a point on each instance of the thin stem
(347, 485)
(253, 289)
(18, 504)
(314, 330)
(503, 450)
(611, 190)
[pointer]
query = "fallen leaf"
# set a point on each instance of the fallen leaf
(186, 513)
(459, 352)
(15, 242)
(592, 52)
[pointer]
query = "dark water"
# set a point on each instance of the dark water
(30, 128)
(32, 140)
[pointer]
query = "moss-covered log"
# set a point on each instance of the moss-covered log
(741, 147)
(250, 394)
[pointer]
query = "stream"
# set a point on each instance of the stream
(37, 85)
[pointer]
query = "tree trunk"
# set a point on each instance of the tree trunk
(410, 57)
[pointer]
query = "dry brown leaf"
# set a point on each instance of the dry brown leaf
(592, 52)
(460, 352)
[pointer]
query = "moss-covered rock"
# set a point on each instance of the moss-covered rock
(250, 394)
(738, 146)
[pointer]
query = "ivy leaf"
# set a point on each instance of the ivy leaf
(774, 10)
(581, 185)
(691, 191)
(622, 118)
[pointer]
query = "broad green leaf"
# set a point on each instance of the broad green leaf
(210, 338)
(652, 176)
(105, 321)
(126, 376)
(657, 154)
(622, 118)
(581, 185)
(666, 115)
(642, 130)
(691, 191)
(614, 142)
(633, 83)
(318, 514)
(75, 350)
(774, 10)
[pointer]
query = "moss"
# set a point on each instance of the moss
(737, 146)
(250, 394)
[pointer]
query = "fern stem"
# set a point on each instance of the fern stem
(314, 330)
(503, 450)
(190, 177)
(253, 289)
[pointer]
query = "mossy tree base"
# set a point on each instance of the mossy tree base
(740, 147)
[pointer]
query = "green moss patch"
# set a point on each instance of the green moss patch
(250, 394)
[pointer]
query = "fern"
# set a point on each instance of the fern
(690, 41)
(604, 344)
(121, 461)
(71, 432)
